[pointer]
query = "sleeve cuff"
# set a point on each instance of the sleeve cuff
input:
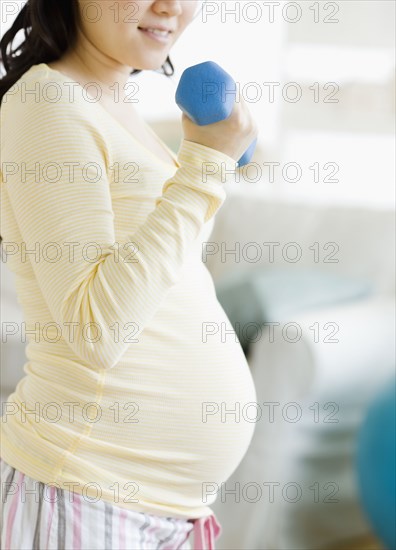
(203, 170)
(210, 161)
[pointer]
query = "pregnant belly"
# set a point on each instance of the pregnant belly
(174, 412)
(192, 381)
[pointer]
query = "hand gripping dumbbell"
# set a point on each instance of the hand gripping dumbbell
(206, 94)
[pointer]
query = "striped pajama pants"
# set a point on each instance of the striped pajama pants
(36, 516)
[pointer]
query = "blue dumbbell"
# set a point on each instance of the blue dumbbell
(206, 94)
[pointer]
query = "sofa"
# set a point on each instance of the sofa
(297, 481)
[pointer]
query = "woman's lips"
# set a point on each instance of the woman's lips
(161, 36)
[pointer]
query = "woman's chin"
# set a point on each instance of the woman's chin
(149, 65)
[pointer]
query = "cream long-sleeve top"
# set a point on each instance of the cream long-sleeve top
(135, 388)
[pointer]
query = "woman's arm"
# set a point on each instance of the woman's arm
(101, 283)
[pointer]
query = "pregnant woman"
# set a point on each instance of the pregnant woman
(125, 422)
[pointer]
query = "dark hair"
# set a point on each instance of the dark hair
(50, 29)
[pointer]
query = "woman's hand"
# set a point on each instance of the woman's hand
(232, 136)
